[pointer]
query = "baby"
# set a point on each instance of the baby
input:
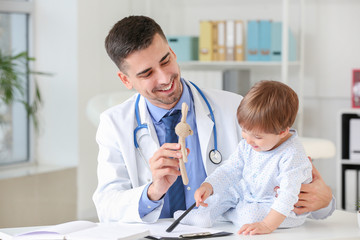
(269, 155)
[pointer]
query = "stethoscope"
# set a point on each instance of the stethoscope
(214, 154)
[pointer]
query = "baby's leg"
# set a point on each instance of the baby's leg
(247, 212)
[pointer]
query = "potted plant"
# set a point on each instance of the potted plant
(14, 70)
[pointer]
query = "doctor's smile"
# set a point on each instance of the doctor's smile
(168, 88)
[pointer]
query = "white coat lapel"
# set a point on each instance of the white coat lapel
(204, 125)
(147, 138)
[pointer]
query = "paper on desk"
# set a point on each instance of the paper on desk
(56, 231)
(158, 229)
(85, 230)
(80, 230)
(111, 231)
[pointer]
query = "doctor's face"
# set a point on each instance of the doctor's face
(154, 73)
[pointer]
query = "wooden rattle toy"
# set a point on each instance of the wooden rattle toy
(183, 130)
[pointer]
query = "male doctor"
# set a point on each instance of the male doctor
(137, 168)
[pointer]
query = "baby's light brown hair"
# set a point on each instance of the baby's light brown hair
(269, 106)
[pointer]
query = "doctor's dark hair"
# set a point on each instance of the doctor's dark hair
(128, 35)
(269, 106)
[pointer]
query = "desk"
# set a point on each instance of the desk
(341, 225)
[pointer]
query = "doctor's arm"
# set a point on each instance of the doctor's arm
(118, 196)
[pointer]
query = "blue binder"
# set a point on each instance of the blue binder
(252, 41)
(276, 40)
(186, 48)
(292, 47)
(264, 40)
(276, 43)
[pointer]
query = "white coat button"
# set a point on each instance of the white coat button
(188, 188)
(149, 180)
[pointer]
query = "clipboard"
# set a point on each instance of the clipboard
(192, 236)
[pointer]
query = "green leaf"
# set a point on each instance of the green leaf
(13, 73)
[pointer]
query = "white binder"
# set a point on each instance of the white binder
(354, 139)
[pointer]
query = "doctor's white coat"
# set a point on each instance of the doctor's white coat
(123, 173)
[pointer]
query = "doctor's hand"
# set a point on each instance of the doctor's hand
(313, 196)
(164, 166)
(202, 193)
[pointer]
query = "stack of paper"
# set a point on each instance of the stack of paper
(85, 230)
(82, 230)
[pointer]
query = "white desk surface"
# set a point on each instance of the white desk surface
(341, 225)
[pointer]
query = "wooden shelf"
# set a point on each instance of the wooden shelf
(350, 162)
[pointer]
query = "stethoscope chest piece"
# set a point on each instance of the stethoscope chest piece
(215, 156)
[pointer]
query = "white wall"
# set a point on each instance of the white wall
(55, 45)
(96, 74)
(332, 51)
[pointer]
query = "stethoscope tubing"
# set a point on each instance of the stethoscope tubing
(139, 125)
(211, 113)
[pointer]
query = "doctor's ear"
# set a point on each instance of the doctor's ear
(124, 78)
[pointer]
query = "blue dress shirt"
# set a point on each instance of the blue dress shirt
(194, 167)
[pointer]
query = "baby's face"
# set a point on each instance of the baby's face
(261, 141)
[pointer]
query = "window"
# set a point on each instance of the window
(14, 124)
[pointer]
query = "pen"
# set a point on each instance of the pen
(177, 221)
(195, 235)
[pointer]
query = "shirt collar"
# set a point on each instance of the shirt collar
(158, 113)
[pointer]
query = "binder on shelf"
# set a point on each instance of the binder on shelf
(214, 41)
(264, 40)
(350, 189)
(239, 40)
(276, 43)
(292, 47)
(206, 41)
(358, 191)
(252, 41)
(354, 137)
(185, 47)
(221, 49)
(276, 39)
(230, 40)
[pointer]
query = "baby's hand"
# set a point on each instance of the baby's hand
(202, 193)
(254, 228)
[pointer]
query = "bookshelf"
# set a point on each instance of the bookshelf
(184, 21)
(284, 64)
(348, 168)
(283, 67)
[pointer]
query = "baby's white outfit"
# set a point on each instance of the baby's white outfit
(243, 187)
